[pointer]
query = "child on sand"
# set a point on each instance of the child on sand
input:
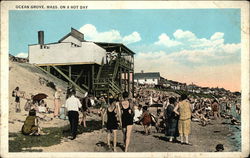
(146, 120)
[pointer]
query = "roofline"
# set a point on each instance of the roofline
(118, 44)
(49, 43)
(145, 77)
(69, 34)
(73, 63)
(64, 37)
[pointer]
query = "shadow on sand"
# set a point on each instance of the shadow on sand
(107, 148)
(53, 135)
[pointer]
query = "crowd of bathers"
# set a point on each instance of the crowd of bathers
(172, 116)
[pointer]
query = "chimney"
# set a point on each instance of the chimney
(40, 37)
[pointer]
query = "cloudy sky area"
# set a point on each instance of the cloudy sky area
(199, 46)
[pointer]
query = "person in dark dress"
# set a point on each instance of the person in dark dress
(112, 122)
(127, 119)
(171, 120)
(85, 108)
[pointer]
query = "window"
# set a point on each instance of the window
(145, 79)
(44, 47)
(153, 79)
(74, 45)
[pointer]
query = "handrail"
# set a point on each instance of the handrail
(99, 72)
(115, 70)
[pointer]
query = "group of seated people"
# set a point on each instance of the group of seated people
(37, 112)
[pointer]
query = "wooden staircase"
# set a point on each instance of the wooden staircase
(105, 82)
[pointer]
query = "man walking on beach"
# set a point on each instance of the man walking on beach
(184, 109)
(73, 104)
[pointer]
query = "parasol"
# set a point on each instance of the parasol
(156, 105)
(39, 96)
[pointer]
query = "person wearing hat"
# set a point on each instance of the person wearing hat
(184, 110)
(57, 102)
(73, 105)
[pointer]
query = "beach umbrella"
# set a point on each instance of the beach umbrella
(156, 105)
(39, 96)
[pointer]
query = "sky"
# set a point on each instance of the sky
(200, 46)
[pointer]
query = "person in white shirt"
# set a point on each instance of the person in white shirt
(138, 113)
(73, 104)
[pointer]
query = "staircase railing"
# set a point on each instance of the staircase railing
(100, 70)
(115, 69)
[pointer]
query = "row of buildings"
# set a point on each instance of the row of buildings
(154, 79)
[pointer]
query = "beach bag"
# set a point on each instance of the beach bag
(63, 113)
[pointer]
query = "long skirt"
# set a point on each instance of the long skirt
(57, 104)
(172, 128)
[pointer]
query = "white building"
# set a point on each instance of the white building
(71, 49)
(151, 78)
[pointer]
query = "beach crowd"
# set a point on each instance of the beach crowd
(167, 113)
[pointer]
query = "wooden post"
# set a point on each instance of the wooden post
(48, 69)
(89, 78)
(93, 77)
(70, 72)
(120, 77)
(124, 79)
(77, 78)
(133, 84)
(129, 82)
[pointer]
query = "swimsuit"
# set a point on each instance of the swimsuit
(127, 118)
(17, 99)
(112, 121)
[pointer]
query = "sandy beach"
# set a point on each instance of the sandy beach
(93, 138)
